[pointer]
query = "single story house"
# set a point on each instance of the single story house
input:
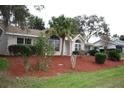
(15, 35)
(113, 44)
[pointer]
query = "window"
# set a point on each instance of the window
(54, 40)
(27, 41)
(77, 45)
(20, 40)
(1, 32)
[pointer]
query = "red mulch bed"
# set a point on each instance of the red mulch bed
(84, 64)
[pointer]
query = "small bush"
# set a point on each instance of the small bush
(75, 53)
(81, 52)
(100, 58)
(117, 50)
(93, 52)
(4, 64)
(114, 55)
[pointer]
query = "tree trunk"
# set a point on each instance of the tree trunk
(63, 40)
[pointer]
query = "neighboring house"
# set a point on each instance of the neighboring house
(15, 35)
(113, 44)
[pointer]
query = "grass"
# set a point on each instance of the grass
(105, 78)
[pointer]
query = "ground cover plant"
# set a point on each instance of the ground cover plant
(4, 66)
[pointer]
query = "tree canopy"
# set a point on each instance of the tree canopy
(89, 26)
(121, 37)
(35, 23)
(63, 26)
(16, 14)
(105, 35)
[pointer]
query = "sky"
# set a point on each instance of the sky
(111, 10)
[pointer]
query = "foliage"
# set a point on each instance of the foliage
(100, 58)
(20, 13)
(114, 55)
(81, 52)
(115, 37)
(14, 13)
(75, 53)
(89, 26)
(63, 26)
(105, 36)
(35, 23)
(92, 52)
(23, 50)
(4, 64)
(117, 50)
(122, 55)
(43, 49)
(121, 37)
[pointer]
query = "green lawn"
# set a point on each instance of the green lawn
(105, 78)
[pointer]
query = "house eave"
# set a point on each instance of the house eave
(18, 34)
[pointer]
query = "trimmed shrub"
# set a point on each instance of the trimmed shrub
(25, 50)
(114, 55)
(117, 50)
(4, 64)
(100, 58)
(93, 52)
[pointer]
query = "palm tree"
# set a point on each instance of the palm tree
(63, 27)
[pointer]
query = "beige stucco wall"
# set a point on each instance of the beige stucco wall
(69, 45)
(73, 44)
